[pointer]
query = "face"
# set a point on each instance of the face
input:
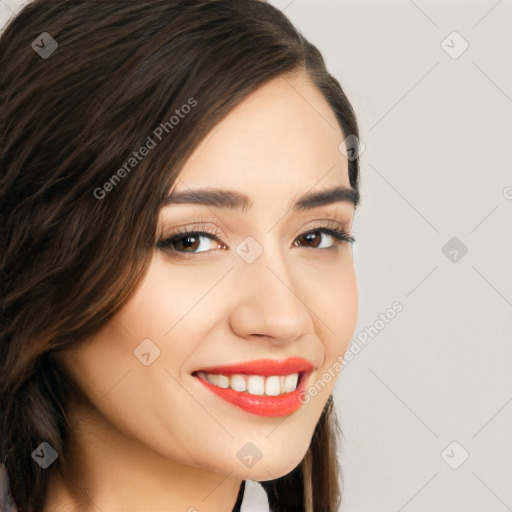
(267, 281)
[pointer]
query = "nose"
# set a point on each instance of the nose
(269, 301)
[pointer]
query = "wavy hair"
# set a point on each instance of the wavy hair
(70, 261)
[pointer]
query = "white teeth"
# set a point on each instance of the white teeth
(290, 382)
(256, 385)
(211, 378)
(238, 382)
(222, 381)
(273, 385)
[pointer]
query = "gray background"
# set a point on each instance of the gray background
(437, 128)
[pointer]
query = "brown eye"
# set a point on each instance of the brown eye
(313, 239)
(189, 242)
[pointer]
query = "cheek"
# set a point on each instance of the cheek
(101, 362)
(169, 294)
(146, 403)
(336, 306)
(346, 310)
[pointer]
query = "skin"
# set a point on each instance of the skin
(156, 438)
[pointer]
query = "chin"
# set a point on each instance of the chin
(272, 469)
(279, 462)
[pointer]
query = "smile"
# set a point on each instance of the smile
(264, 387)
(254, 384)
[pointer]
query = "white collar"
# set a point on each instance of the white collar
(255, 498)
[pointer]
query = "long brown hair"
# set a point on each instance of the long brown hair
(83, 84)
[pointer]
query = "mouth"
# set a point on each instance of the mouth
(264, 387)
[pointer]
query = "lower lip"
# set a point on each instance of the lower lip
(262, 405)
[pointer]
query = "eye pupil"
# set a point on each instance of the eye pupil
(308, 237)
(188, 243)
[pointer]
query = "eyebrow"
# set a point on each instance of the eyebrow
(232, 199)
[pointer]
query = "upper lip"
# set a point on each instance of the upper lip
(264, 367)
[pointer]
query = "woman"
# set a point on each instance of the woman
(178, 282)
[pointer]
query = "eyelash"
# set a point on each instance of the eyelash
(332, 228)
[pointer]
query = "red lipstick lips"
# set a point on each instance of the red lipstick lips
(264, 367)
(261, 404)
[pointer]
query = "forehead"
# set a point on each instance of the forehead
(285, 129)
(284, 136)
